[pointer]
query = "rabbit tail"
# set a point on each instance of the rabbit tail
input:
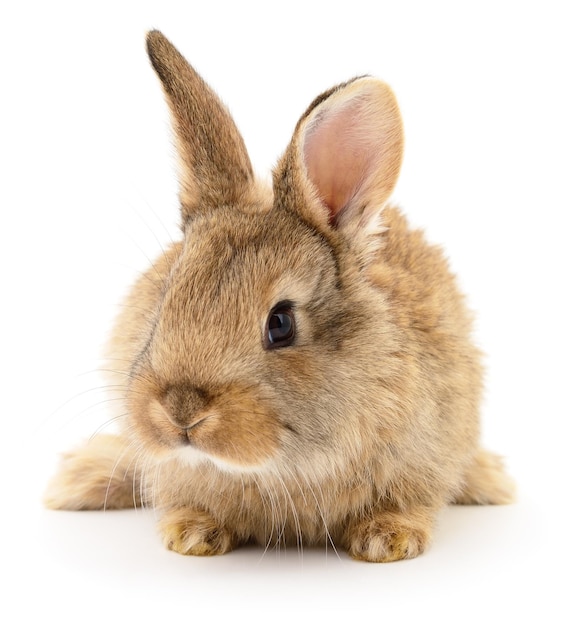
(486, 482)
(100, 474)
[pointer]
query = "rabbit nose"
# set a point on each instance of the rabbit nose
(184, 405)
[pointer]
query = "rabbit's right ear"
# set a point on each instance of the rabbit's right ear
(215, 167)
(344, 159)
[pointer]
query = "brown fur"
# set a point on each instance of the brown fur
(359, 432)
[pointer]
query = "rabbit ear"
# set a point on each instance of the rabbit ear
(216, 170)
(344, 159)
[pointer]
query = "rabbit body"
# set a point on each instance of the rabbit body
(299, 369)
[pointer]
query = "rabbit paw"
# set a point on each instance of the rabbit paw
(389, 537)
(193, 532)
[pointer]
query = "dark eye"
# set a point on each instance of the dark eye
(281, 327)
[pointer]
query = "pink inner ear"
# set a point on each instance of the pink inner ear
(338, 154)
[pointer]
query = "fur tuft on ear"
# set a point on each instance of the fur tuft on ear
(345, 157)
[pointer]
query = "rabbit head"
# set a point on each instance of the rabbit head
(264, 329)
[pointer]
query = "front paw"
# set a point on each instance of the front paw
(389, 537)
(193, 532)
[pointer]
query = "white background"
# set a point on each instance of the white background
(87, 196)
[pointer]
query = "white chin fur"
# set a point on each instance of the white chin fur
(193, 457)
(188, 455)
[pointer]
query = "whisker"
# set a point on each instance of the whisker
(328, 537)
(140, 485)
(112, 475)
(147, 225)
(273, 514)
(107, 423)
(157, 216)
(297, 526)
(156, 487)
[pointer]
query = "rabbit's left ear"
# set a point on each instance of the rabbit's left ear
(344, 158)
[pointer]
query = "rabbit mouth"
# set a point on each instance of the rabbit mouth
(234, 429)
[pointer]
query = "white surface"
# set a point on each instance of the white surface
(87, 193)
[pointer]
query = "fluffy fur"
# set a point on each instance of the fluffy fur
(359, 432)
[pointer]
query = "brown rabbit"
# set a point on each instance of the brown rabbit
(299, 368)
